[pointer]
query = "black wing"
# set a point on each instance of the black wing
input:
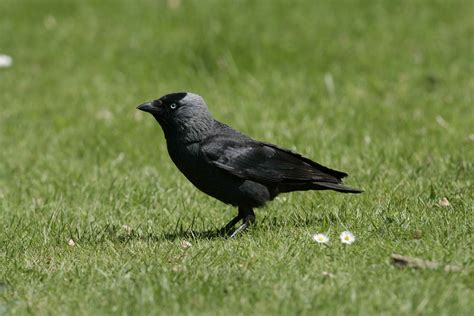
(266, 163)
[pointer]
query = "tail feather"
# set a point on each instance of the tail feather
(338, 187)
(283, 188)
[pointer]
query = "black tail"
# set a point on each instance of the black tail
(282, 188)
(337, 187)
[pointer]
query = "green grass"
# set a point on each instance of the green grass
(381, 89)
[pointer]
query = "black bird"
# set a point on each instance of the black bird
(230, 166)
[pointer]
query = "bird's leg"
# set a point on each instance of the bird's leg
(248, 219)
(232, 223)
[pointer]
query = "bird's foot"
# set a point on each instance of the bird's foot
(245, 214)
(248, 220)
(227, 228)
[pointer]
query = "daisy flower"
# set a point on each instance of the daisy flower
(347, 237)
(321, 238)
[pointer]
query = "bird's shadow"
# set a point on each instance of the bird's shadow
(179, 234)
(195, 234)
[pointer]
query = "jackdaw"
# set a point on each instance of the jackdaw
(231, 166)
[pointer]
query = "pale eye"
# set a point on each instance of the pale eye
(173, 106)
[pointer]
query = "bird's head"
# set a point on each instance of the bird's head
(182, 114)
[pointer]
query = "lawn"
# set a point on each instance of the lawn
(95, 218)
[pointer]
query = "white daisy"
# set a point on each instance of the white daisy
(347, 237)
(321, 238)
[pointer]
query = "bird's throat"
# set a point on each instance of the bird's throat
(191, 131)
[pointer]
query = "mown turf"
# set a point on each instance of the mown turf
(381, 89)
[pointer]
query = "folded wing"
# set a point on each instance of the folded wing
(270, 164)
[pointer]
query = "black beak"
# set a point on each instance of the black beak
(147, 107)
